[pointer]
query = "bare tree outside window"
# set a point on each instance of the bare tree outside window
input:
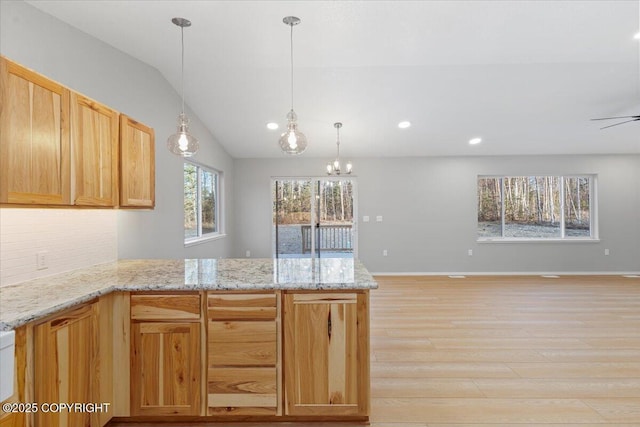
(534, 207)
(201, 202)
(190, 201)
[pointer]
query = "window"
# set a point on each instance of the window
(535, 207)
(201, 203)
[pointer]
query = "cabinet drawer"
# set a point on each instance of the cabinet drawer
(258, 381)
(242, 354)
(231, 389)
(242, 332)
(156, 307)
(241, 306)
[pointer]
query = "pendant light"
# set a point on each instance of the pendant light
(182, 143)
(292, 141)
(334, 168)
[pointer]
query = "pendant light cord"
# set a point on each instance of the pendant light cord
(291, 44)
(182, 43)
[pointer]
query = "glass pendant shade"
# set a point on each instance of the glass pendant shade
(292, 141)
(182, 143)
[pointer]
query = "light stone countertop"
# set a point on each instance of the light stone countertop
(27, 301)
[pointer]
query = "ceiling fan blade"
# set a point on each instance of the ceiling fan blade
(616, 124)
(619, 117)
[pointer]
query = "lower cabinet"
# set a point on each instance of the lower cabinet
(242, 361)
(165, 356)
(326, 353)
(288, 355)
(66, 367)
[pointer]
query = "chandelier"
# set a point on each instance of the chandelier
(334, 168)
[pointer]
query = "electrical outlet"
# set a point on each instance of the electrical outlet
(248, 253)
(379, 218)
(41, 260)
(365, 218)
(606, 252)
(384, 252)
(470, 252)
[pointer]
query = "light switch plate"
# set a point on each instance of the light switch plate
(41, 260)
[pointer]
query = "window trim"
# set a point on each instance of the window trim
(220, 233)
(593, 212)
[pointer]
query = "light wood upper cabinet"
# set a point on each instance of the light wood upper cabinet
(94, 136)
(51, 136)
(34, 138)
(66, 366)
(326, 354)
(137, 164)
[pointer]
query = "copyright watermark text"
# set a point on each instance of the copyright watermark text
(56, 407)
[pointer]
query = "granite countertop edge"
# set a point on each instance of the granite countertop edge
(104, 285)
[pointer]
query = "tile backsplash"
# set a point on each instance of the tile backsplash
(67, 239)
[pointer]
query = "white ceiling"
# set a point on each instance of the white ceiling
(526, 76)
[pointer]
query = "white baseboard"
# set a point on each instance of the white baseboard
(507, 273)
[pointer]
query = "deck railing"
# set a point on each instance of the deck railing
(335, 238)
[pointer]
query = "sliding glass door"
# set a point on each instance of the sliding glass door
(314, 217)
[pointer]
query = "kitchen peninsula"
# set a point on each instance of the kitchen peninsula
(193, 340)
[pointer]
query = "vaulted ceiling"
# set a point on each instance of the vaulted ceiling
(525, 76)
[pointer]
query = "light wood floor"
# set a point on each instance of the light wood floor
(504, 351)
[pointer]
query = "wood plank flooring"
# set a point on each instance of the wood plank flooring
(504, 351)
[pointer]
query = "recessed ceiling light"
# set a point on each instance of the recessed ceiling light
(404, 125)
(272, 126)
(474, 141)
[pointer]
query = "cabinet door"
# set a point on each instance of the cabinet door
(66, 364)
(165, 374)
(137, 164)
(94, 136)
(34, 141)
(326, 354)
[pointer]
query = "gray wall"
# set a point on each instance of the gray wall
(428, 204)
(429, 213)
(89, 66)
